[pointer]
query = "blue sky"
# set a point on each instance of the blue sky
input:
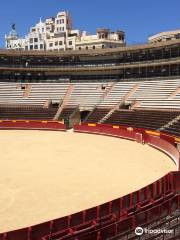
(138, 18)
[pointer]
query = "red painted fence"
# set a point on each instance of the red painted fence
(33, 124)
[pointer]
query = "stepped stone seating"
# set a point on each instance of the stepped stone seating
(47, 91)
(150, 95)
(22, 112)
(97, 114)
(14, 93)
(157, 89)
(173, 129)
(10, 93)
(117, 93)
(159, 104)
(87, 95)
(177, 97)
(144, 118)
(157, 94)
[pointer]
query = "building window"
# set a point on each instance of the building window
(31, 47)
(31, 40)
(35, 46)
(102, 46)
(70, 43)
(51, 44)
(62, 28)
(41, 46)
(62, 20)
(56, 43)
(94, 47)
(35, 39)
(87, 48)
(79, 48)
(60, 43)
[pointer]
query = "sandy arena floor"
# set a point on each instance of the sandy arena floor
(46, 175)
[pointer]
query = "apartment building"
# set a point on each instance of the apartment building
(57, 34)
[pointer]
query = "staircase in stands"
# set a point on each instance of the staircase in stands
(65, 100)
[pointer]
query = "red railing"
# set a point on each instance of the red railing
(32, 124)
(118, 215)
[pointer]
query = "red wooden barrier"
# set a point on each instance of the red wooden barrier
(39, 125)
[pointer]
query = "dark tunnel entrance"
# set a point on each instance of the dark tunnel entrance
(84, 115)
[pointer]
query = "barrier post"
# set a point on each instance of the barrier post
(139, 138)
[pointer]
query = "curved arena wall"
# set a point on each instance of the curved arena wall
(32, 124)
(149, 203)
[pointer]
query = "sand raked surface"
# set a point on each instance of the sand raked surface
(45, 175)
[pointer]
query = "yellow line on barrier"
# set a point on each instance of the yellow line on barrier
(152, 133)
(14, 121)
(130, 129)
(91, 124)
(44, 121)
(177, 139)
(115, 126)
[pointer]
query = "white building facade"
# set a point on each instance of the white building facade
(57, 34)
(104, 38)
(165, 36)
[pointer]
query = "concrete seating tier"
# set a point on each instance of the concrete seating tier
(97, 114)
(154, 94)
(174, 129)
(141, 118)
(87, 95)
(18, 112)
(157, 94)
(117, 94)
(39, 93)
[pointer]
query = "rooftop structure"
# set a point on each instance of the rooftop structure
(165, 36)
(57, 33)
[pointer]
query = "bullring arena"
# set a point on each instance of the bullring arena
(90, 143)
(49, 174)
